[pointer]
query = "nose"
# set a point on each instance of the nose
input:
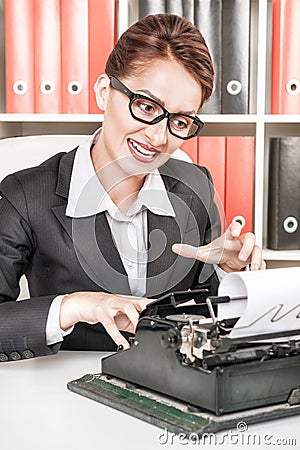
(157, 133)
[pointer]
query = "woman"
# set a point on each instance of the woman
(98, 230)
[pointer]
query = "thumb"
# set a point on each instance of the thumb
(234, 230)
(189, 251)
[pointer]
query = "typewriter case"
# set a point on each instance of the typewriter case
(200, 365)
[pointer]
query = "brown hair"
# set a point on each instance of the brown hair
(159, 37)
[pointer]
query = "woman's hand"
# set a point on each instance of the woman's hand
(232, 251)
(114, 312)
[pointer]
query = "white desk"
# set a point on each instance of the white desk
(37, 412)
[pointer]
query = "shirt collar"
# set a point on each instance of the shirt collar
(88, 197)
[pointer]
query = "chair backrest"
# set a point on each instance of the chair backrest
(18, 153)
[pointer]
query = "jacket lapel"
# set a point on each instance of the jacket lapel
(109, 263)
(62, 190)
(66, 222)
(165, 268)
(91, 238)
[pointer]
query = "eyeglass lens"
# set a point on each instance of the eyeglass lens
(147, 111)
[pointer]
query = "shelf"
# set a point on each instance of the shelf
(6, 117)
(229, 118)
(282, 118)
(281, 255)
(208, 118)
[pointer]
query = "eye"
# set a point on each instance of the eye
(146, 107)
(181, 122)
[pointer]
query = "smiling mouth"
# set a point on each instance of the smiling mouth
(141, 153)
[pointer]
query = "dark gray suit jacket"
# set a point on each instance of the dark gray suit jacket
(61, 255)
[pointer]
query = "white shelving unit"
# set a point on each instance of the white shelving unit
(260, 123)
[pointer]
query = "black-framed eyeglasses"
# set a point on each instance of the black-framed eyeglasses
(146, 110)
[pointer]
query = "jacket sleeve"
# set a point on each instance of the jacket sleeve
(22, 329)
(22, 323)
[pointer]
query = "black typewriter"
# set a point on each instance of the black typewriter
(184, 372)
(181, 350)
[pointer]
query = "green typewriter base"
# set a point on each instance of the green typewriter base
(165, 412)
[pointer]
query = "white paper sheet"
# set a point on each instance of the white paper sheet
(272, 304)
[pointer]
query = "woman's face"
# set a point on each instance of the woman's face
(138, 147)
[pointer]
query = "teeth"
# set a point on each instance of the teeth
(142, 151)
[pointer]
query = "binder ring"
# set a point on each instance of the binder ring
(47, 87)
(293, 87)
(20, 87)
(240, 219)
(74, 87)
(234, 87)
(290, 224)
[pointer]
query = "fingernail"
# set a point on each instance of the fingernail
(243, 256)
(254, 266)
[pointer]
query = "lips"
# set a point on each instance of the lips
(141, 152)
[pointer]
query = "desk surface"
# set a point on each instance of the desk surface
(37, 412)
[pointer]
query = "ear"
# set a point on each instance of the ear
(101, 90)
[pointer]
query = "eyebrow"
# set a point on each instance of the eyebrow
(159, 100)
